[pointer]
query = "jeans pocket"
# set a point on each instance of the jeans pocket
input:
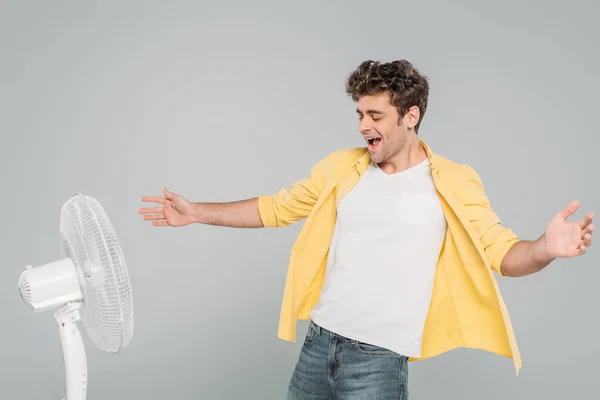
(370, 349)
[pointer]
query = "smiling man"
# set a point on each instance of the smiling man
(396, 262)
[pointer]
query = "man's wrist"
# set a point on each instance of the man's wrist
(197, 213)
(540, 251)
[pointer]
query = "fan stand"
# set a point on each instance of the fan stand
(73, 351)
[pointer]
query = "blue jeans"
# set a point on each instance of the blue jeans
(332, 367)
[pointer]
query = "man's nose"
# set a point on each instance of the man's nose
(364, 126)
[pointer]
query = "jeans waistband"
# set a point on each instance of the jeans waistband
(320, 330)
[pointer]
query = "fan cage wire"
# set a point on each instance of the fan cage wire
(105, 324)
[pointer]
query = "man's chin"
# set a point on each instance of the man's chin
(376, 157)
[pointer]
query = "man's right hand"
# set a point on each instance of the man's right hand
(174, 211)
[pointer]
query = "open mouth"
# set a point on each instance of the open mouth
(373, 143)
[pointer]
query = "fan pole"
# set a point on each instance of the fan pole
(73, 352)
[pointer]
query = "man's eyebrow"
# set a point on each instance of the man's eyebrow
(370, 111)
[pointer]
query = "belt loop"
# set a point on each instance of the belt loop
(316, 327)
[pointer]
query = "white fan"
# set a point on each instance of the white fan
(89, 283)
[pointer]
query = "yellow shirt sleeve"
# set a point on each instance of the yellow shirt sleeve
(292, 204)
(495, 238)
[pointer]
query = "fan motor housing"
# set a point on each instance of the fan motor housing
(50, 286)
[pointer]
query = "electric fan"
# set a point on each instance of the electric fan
(89, 283)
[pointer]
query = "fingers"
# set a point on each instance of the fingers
(570, 209)
(153, 199)
(586, 221)
(154, 217)
(587, 229)
(150, 210)
(168, 194)
(587, 240)
(157, 214)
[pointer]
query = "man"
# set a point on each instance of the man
(395, 261)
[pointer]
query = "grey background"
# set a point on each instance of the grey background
(229, 101)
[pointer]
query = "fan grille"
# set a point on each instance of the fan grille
(88, 238)
(25, 289)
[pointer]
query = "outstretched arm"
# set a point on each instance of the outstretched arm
(174, 210)
(278, 210)
(562, 239)
(507, 254)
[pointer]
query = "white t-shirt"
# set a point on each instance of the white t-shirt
(382, 260)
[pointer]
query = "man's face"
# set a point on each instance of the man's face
(381, 126)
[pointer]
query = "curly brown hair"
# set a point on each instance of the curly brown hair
(405, 85)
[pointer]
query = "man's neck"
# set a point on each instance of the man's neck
(411, 154)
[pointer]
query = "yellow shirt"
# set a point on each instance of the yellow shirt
(467, 309)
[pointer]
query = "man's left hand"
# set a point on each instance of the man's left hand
(565, 239)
